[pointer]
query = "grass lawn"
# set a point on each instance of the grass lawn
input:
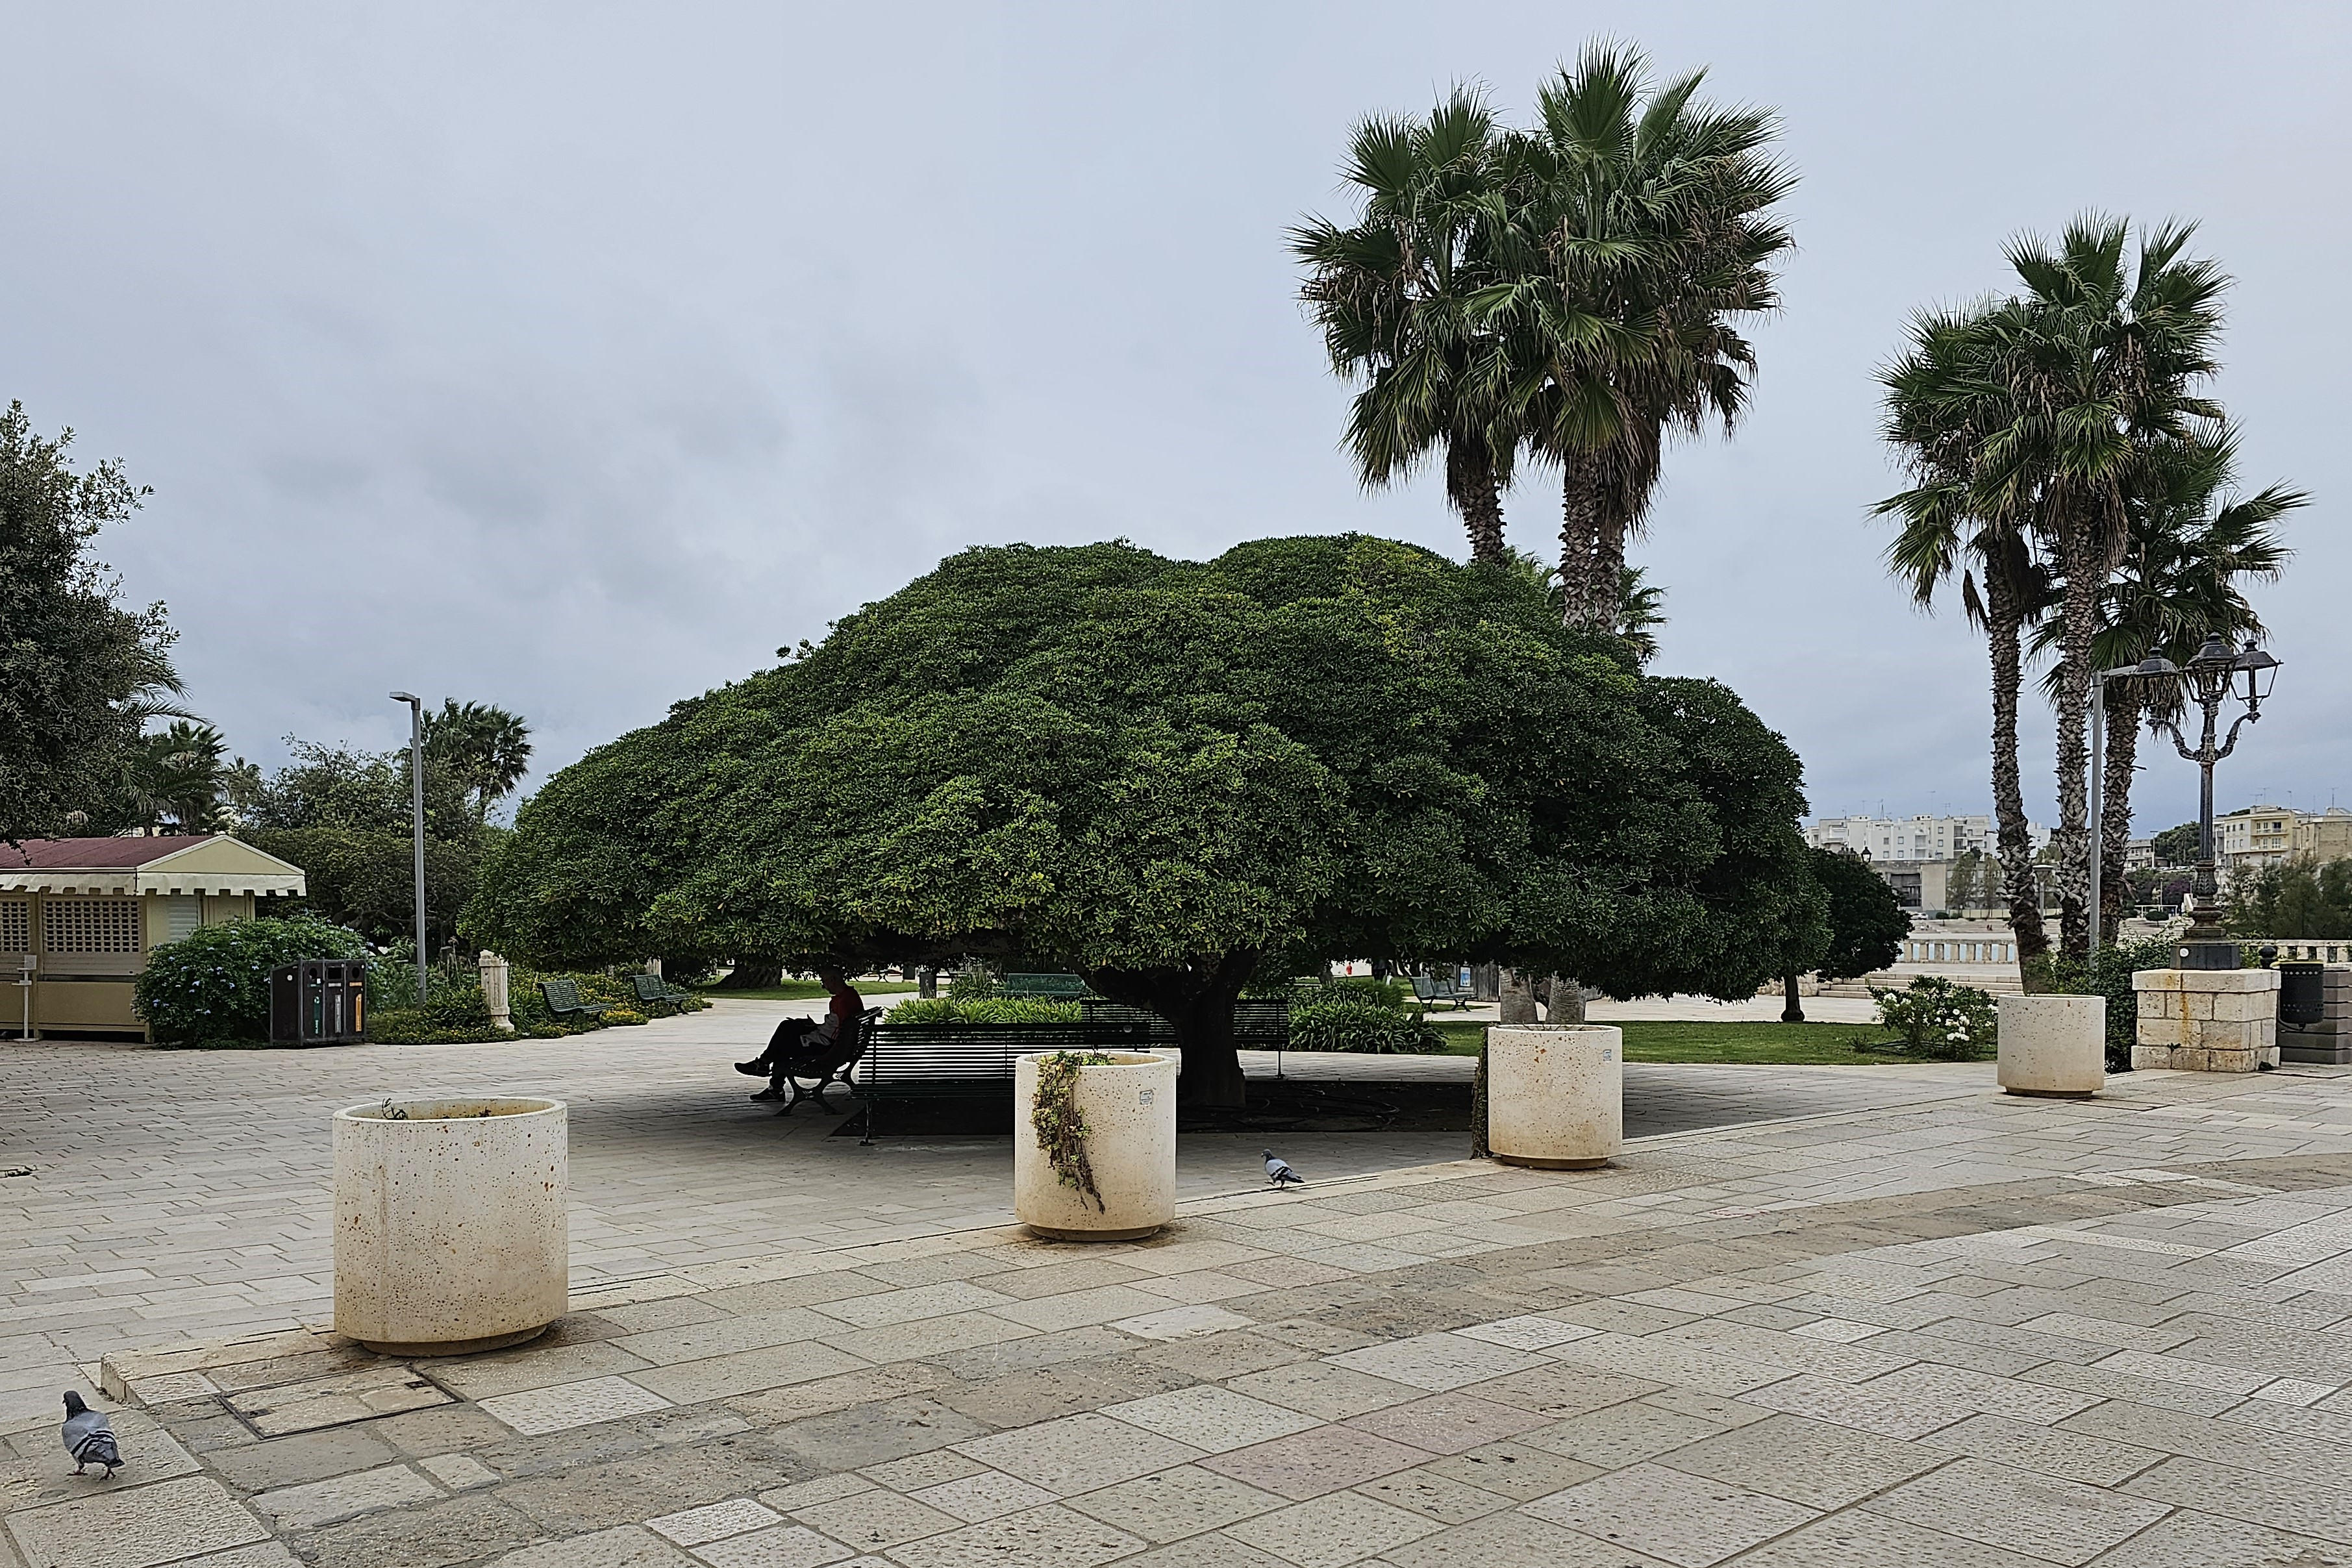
(1785, 1044)
(802, 991)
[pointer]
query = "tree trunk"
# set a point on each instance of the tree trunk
(1567, 1004)
(1794, 1012)
(1470, 485)
(1607, 611)
(2086, 566)
(752, 975)
(1519, 999)
(2018, 888)
(2114, 806)
(1198, 1003)
(1579, 530)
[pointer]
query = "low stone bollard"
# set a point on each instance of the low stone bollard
(2053, 1046)
(1556, 1095)
(2206, 1020)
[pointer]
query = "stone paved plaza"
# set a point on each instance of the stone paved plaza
(1963, 1331)
(184, 1194)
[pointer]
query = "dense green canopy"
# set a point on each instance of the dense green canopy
(1161, 773)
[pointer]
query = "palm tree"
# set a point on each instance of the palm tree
(1640, 227)
(2189, 545)
(2092, 367)
(482, 748)
(176, 778)
(1638, 615)
(1937, 399)
(1395, 297)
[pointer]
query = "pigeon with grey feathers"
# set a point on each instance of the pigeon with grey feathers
(89, 1437)
(1278, 1171)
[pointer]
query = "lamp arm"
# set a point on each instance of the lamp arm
(2171, 732)
(2231, 744)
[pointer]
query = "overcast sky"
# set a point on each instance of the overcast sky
(576, 357)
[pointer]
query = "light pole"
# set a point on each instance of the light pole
(2214, 676)
(416, 800)
(2156, 666)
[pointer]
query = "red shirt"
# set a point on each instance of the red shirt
(846, 1005)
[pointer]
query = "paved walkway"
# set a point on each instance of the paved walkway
(1978, 1332)
(180, 1193)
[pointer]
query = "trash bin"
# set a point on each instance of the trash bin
(319, 1001)
(2303, 992)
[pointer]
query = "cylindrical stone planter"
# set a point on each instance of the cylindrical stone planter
(2055, 1047)
(1130, 1107)
(449, 1224)
(1556, 1095)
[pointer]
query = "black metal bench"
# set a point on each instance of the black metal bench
(1260, 1023)
(1053, 988)
(955, 1060)
(654, 991)
(564, 1001)
(800, 1086)
(1430, 991)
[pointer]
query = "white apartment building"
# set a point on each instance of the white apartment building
(2257, 836)
(1905, 838)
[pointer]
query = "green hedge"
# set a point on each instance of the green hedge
(984, 1009)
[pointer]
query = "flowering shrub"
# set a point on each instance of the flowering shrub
(214, 983)
(1938, 1018)
(624, 1016)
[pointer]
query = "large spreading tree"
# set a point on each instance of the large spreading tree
(81, 673)
(1165, 775)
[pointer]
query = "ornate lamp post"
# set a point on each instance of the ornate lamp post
(2214, 676)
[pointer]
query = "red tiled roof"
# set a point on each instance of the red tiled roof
(91, 854)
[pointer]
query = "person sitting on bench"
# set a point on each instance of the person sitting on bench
(805, 1048)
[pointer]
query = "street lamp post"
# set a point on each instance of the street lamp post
(2215, 676)
(416, 800)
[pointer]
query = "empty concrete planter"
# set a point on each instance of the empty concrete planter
(449, 1224)
(2053, 1046)
(1130, 1107)
(1556, 1095)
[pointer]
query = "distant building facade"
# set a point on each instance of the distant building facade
(2257, 836)
(1903, 838)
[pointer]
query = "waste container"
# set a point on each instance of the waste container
(2303, 992)
(319, 1001)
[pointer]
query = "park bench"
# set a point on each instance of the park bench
(1260, 1023)
(1051, 987)
(1430, 991)
(967, 1061)
(564, 1001)
(654, 991)
(962, 1061)
(835, 1067)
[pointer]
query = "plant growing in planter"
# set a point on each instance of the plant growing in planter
(1060, 1125)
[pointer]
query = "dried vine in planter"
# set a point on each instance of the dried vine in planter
(1061, 1130)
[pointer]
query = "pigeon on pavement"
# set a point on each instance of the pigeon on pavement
(1278, 1171)
(89, 1438)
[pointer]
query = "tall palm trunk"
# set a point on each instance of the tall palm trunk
(2115, 806)
(2003, 618)
(2086, 577)
(1471, 487)
(1580, 538)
